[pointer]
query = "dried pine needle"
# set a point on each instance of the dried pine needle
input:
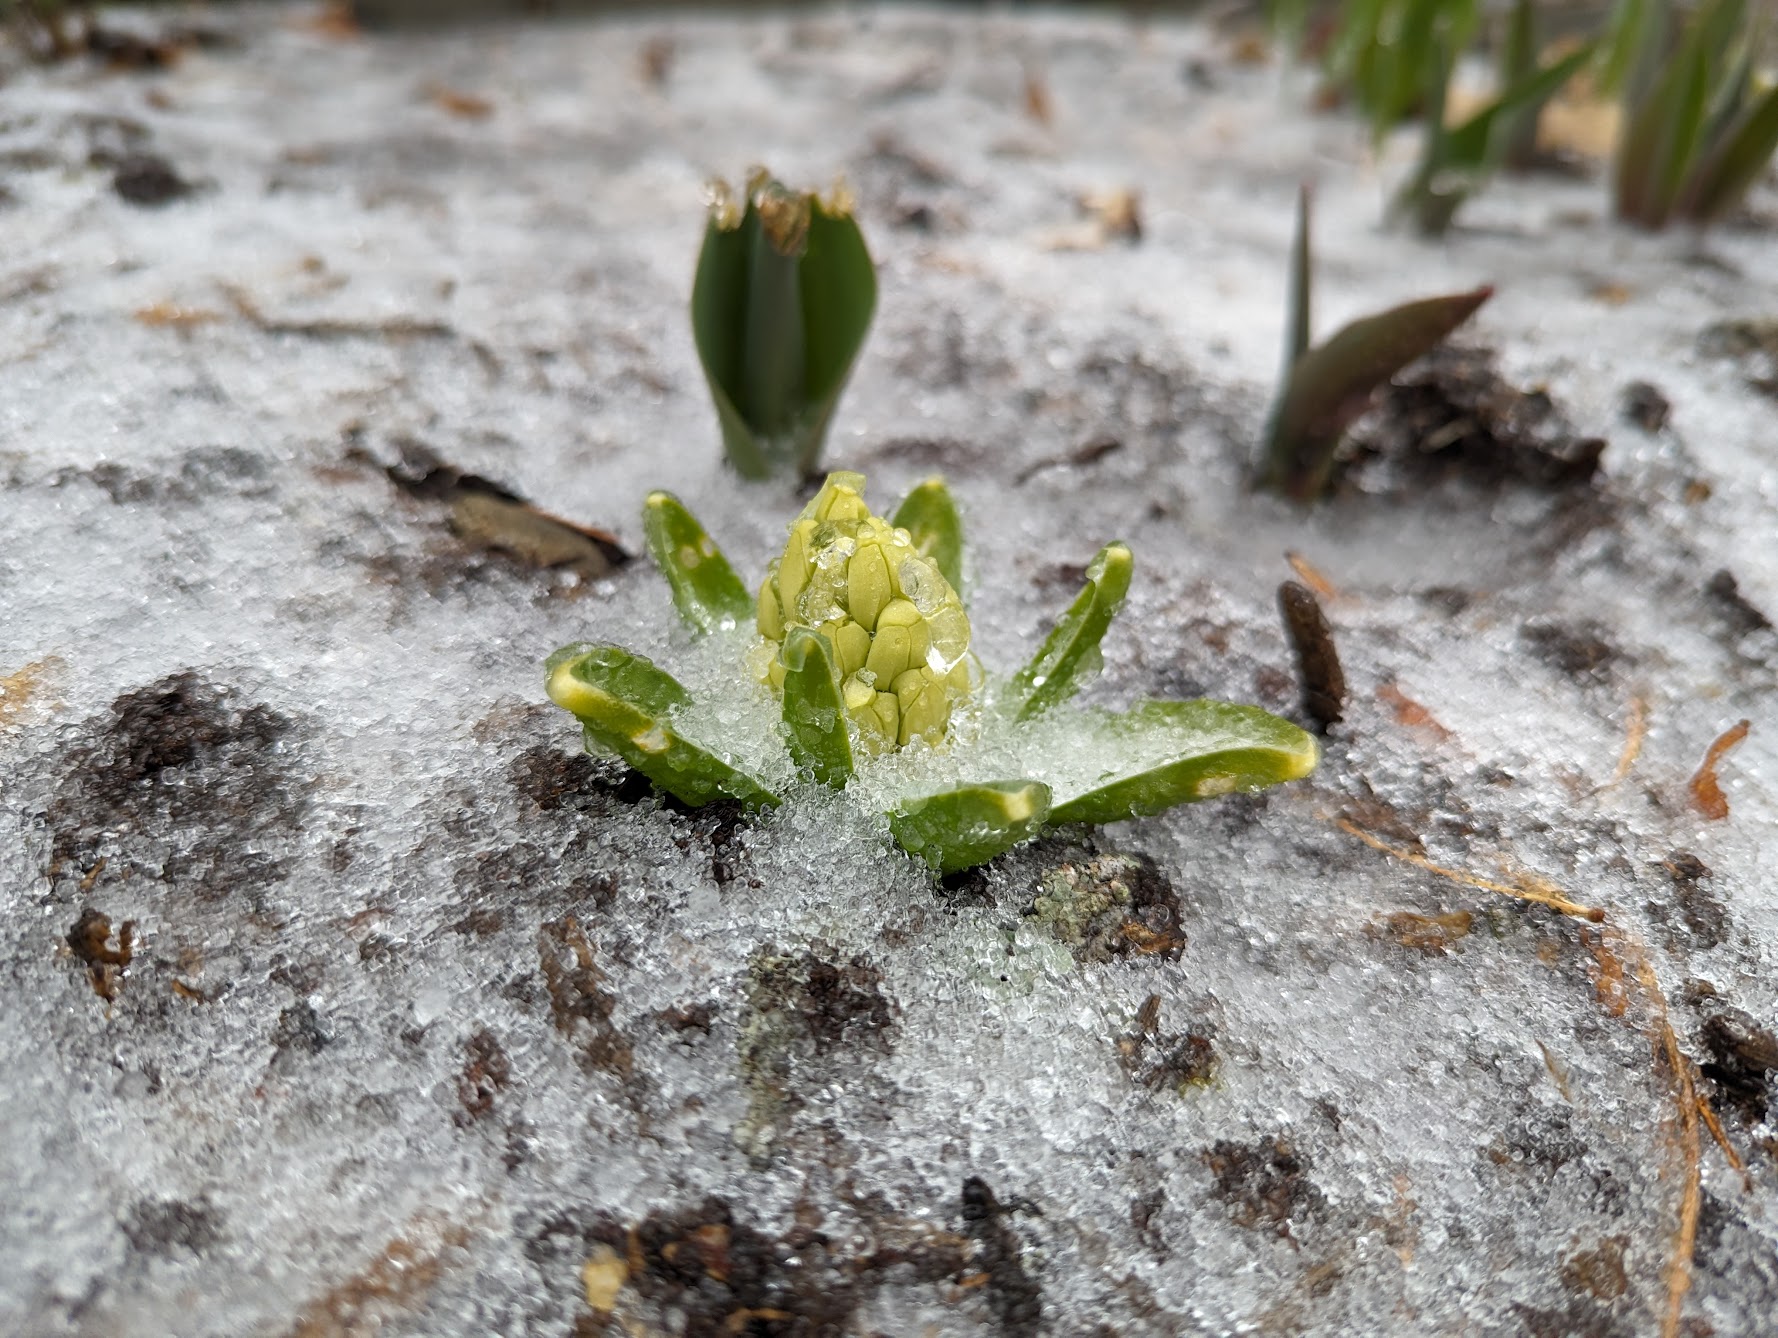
(1534, 890)
(1634, 735)
(1311, 576)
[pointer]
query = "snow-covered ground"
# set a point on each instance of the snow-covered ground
(423, 1014)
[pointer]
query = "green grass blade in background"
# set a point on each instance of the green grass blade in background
(929, 514)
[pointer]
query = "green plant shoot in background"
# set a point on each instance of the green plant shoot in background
(1700, 117)
(1456, 160)
(1697, 130)
(784, 293)
(863, 654)
(1323, 390)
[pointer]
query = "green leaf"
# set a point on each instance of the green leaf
(929, 514)
(1179, 752)
(815, 708)
(1069, 656)
(1300, 297)
(1728, 173)
(627, 705)
(779, 312)
(971, 824)
(1475, 144)
(1660, 143)
(839, 299)
(718, 309)
(1331, 385)
(706, 591)
(1455, 160)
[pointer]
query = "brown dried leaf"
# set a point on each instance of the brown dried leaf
(1707, 795)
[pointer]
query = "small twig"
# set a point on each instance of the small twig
(1714, 1125)
(1634, 734)
(398, 327)
(1539, 895)
(1311, 575)
(1688, 1102)
(1707, 795)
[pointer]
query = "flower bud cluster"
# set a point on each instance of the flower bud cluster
(898, 631)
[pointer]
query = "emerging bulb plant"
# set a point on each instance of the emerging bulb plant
(864, 647)
(779, 309)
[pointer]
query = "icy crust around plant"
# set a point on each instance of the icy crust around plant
(467, 1005)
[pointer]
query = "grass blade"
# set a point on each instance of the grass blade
(1196, 750)
(815, 709)
(626, 705)
(1300, 298)
(706, 591)
(1069, 656)
(971, 824)
(1723, 179)
(1332, 385)
(929, 514)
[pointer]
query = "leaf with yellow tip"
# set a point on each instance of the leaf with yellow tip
(626, 705)
(706, 591)
(1180, 752)
(971, 824)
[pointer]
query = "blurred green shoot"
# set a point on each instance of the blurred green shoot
(1698, 127)
(1456, 160)
(1324, 389)
(784, 294)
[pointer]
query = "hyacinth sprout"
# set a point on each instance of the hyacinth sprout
(779, 309)
(859, 648)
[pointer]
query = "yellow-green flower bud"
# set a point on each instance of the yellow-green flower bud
(899, 633)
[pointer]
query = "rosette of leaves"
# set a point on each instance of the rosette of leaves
(784, 294)
(858, 643)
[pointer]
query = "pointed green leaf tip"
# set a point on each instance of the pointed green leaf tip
(1069, 656)
(971, 824)
(784, 294)
(929, 515)
(626, 705)
(706, 591)
(1185, 751)
(815, 708)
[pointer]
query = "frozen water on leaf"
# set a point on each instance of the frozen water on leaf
(422, 855)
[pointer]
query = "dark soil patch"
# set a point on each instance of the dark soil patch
(1265, 1184)
(1452, 414)
(1173, 1060)
(1581, 650)
(170, 1227)
(1014, 1297)
(726, 1278)
(1743, 1058)
(185, 783)
(1106, 906)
